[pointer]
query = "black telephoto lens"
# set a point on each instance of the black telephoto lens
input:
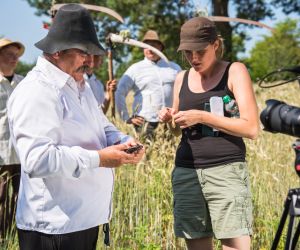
(281, 117)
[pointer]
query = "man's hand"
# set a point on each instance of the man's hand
(136, 120)
(115, 156)
(111, 85)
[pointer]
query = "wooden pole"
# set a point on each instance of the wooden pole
(111, 77)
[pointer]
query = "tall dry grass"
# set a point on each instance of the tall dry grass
(142, 216)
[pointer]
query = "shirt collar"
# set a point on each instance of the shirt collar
(149, 61)
(87, 78)
(4, 79)
(60, 78)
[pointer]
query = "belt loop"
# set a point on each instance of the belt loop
(106, 234)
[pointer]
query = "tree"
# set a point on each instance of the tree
(279, 50)
(288, 6)
(167, 16)
(23, 68)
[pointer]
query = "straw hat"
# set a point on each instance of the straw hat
(72, 28)
(6, 42)
(151, 35)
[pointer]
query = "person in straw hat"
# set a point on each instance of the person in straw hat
(210, 180)
(64, 142)
(152, 81)
(10, 52)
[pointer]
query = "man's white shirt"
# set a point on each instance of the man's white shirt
(57, 130)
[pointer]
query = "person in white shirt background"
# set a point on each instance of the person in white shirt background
(67, 147)
(152, 81)
(10, 52)
(102, 95)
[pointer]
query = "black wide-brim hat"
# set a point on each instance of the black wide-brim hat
(72, 28)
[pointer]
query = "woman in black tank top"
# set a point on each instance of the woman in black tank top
(211, 145)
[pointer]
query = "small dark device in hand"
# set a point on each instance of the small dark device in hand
(133, 149)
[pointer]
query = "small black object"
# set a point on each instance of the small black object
(133, 149)
(106, 234)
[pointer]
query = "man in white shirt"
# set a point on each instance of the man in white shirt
(10, 53)
(152, 81)
(102, 95)
(67, 147)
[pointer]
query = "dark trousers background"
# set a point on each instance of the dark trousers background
(82, 240)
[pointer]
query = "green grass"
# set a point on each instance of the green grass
(142, 216)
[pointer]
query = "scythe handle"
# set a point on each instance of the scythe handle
(111, 77)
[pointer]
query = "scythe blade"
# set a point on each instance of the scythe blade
(240, 20)
(120, 39)
(106, 10)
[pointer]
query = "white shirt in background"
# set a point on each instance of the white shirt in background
(152, 84)
(8, 154)
(97, 87)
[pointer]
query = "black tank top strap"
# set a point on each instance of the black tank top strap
(184, 84)
(224, 81)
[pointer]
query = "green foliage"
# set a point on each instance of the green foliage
(278, 50)
(288, 6)
(238, 45)
(23, 68)
(166, 17)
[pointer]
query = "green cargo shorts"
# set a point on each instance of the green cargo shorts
(212, 202)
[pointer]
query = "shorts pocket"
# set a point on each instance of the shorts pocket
(240, 169)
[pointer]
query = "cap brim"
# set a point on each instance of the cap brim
(192, 46)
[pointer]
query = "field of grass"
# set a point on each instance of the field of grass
(142, 217)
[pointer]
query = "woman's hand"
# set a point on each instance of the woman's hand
(188, 118)
(166, 114)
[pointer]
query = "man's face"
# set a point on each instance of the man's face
(151, 55)
(75, 62)
(9, 57)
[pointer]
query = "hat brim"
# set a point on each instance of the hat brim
(18, 44)
(192, 46)
(52, 46)
(154, 40)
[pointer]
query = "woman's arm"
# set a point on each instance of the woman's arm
(247, 125)
(166, 114)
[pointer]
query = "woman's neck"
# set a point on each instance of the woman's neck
(209, 72)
